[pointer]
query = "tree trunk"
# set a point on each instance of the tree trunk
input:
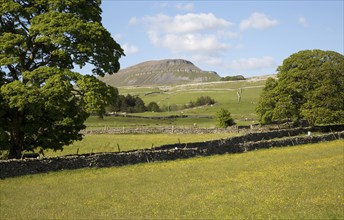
(17, 136)
(15, 152)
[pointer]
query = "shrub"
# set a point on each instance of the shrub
(224, 118)
(153, 107)
(203, 100)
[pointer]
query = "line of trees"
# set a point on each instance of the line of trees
(134, 104)
(233, 78)
(200, 101)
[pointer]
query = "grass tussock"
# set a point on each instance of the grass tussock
(303, 182)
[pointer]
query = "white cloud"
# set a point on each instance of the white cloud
(207, 59)
(129, 49)
(190, 33)
(258, 21)
(230, 34)
(133, 21)
(302, 20)
(154, 37)
(187, 23)
(193, 43)
(252, 63)
(185, 7)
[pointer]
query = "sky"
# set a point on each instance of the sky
(249, 38)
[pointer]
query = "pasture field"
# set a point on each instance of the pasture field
(224, 93)
(302, 182)
(94, 122)
(108, 142)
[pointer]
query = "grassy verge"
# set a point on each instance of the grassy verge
(303, 182)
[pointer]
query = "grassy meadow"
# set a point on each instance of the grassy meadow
(108, 142)
(303, 182)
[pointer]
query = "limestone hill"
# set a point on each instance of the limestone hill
(161, 72)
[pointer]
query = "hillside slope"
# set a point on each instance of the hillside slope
(160, 72)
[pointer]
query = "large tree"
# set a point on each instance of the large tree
(43, 103)
(309, 87)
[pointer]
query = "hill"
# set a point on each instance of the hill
(161, 72)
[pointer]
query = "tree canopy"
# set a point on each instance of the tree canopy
(43, 103)
(309, 87)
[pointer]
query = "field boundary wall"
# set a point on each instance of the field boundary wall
(248, 142)
(196, 130)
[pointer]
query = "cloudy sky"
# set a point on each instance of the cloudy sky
(230, 37)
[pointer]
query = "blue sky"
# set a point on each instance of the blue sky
(250, 38)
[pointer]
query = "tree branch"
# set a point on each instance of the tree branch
(22, 24)
(13, 72)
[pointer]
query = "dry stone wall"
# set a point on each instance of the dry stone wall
(196, 130)
(161, 130)
(12, 168)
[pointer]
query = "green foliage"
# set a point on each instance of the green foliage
(309, 87)
(43, 103)
(267, 101)
(129, 104)
(233, 78)
(203, 100)
(97, 95)
(224, 118)
(153, 107)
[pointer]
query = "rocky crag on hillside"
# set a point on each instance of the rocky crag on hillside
(161, 72)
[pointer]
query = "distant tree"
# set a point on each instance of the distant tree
(119, 104)
(233, 78)
(224, 118)
(128, 103)
(204, 100)
(200, 101)
(309, 87)
(43, 103)
(139, 105)
(153, 107)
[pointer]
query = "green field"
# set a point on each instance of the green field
(108, 143)
(95, 122)
(224, 93)
(303, 182)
